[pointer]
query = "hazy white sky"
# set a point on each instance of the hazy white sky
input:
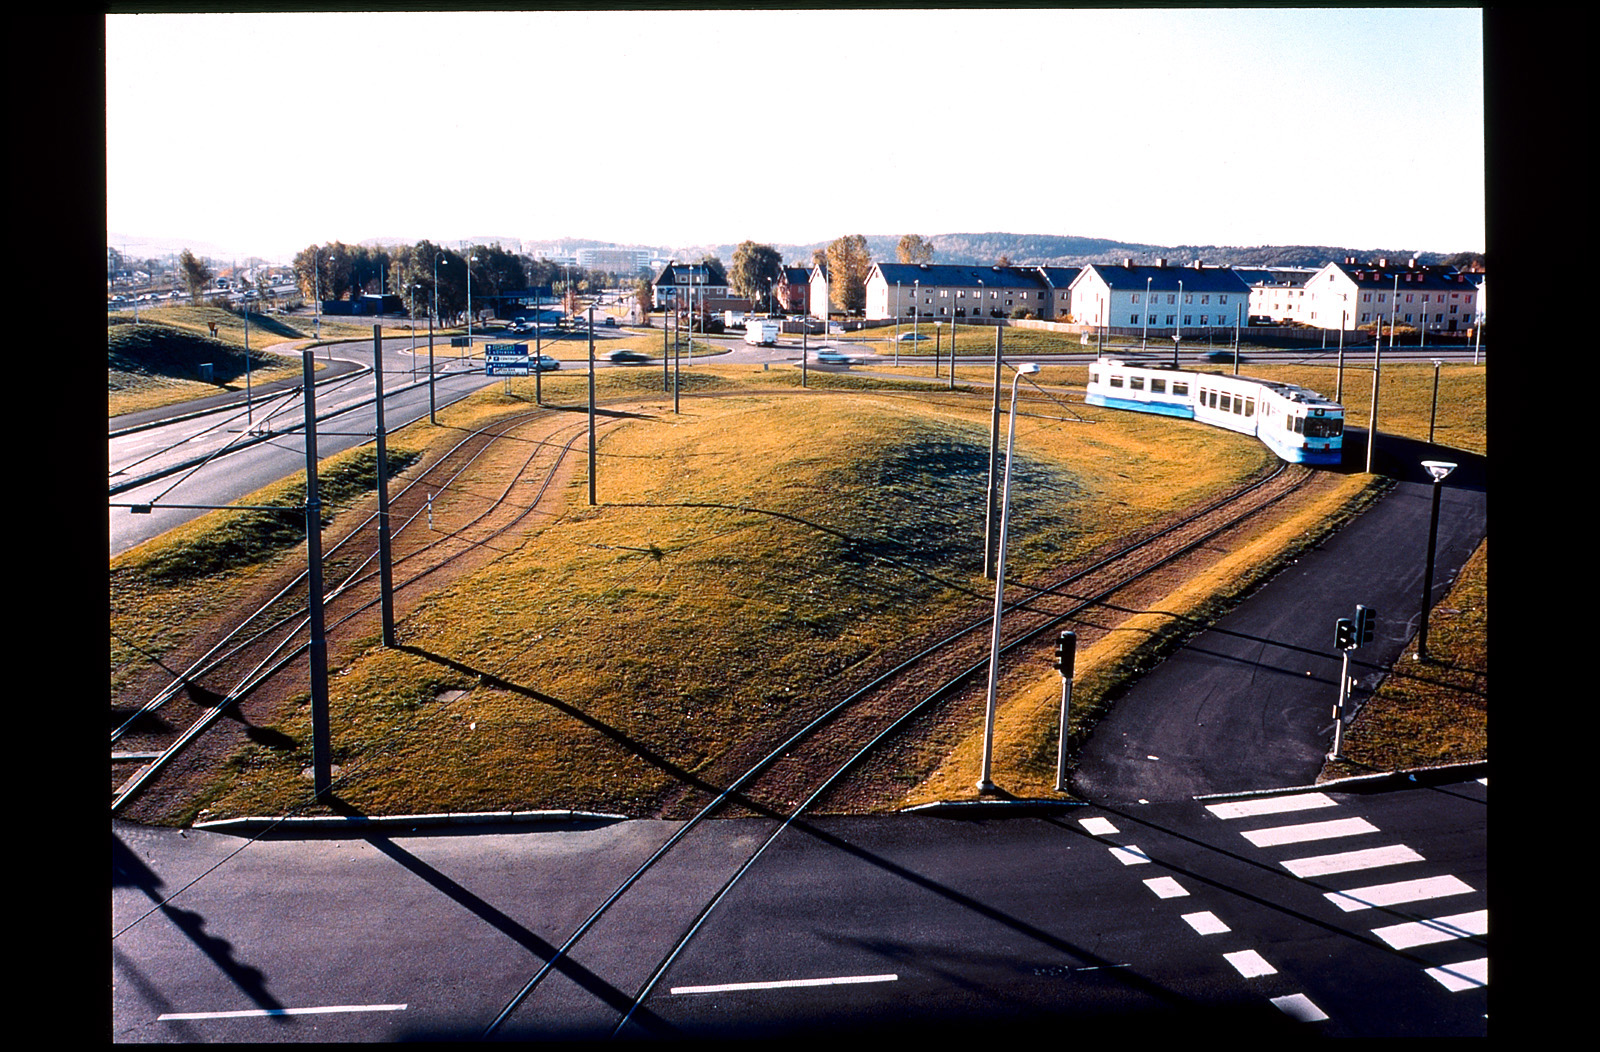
(1351, 127)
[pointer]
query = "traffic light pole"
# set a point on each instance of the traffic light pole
(1066, 655)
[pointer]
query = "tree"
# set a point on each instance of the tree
(1002, 261)
(645, 295)
(196, 274)
(756, 269)
(914, 248)
(849, 261)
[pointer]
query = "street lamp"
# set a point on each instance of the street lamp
(1144, 341)
(1437, 470)
(1433, 413)
(984, 783)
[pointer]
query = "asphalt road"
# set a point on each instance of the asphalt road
(1248, 704)
(1324, 914)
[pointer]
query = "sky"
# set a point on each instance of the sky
(1249, 126)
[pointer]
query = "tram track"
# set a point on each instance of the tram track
(799, 773)
(267, 641)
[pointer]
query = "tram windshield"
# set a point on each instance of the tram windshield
(1324, 426)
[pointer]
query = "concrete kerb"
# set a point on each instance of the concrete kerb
(357, 824)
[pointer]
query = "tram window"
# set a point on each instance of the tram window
(1227, 401)
(1094, 377)
(1158, 385)
(1115, 381)
(1136, 383)
(1249, 407)
(1238, 406)
(1180, 387)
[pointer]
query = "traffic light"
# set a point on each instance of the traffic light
(1344, 634)
(1366, 621)
(1066, 652)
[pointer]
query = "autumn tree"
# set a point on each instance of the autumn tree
(196, 274)
(756, 269)
(849, 261)
(914, 248)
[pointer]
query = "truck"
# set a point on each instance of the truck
(762, 332)
(733, 319)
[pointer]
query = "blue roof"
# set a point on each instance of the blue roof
(1166, 279)
(960, 275)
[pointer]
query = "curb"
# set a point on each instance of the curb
(256, 826)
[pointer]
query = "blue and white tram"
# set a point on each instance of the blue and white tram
(1299, 425)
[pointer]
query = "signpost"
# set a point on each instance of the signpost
(505, 359)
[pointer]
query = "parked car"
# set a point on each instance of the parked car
(626, 357)
(611, 321)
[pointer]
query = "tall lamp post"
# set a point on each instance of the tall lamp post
(1437, 470)
(984, 783)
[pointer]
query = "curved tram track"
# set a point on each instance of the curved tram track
(149, 736)
(812, 762)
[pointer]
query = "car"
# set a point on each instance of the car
(626, 357)
(1222, 357)
(826, 356)
(911, 336)
(611, 321)
(544, 363)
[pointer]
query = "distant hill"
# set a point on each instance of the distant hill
(982, 249)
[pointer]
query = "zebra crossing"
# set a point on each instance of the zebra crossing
(1368, 871)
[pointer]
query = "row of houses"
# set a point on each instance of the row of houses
(1146, 297)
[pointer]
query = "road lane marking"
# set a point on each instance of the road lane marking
(263, 1012)
(1299, 1007)
(1272, 805)
(1440, 929)
(1346, 861)
(1130, 855)
(1206, 923)
(1468, 975)
(837, 980)
(1166, 887)
(1398, 892)
(1250, 964)
(1299, 834)
(1098, 826)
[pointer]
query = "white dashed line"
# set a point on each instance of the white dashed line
(1398, 892)
(1440, 929)
(1206, 923)
(265, 1012)
(1130, 855)
(1249, 963)
(780, 984)
(1346, 861)
(1299, 1007)
(1166, 888)
(1300, 834)
(1098, 826)
(1272, 805)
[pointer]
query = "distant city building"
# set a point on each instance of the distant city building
(615, 260)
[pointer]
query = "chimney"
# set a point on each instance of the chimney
(1383, 263)
(1127, 262)
(1198, 264)
(1161, 261)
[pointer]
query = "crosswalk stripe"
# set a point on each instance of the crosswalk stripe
(1270, 805)
(1299, 1007)
(1166, 888)
(1398, 892)
(1130, 855)
(1467, 975)
(1345, 861)
(1440, 929)
(1250, 964)
(1299, 834)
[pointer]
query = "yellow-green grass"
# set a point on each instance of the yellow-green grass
(165, 589)
(1433, 712)
(743, 554)
(1027, 720)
